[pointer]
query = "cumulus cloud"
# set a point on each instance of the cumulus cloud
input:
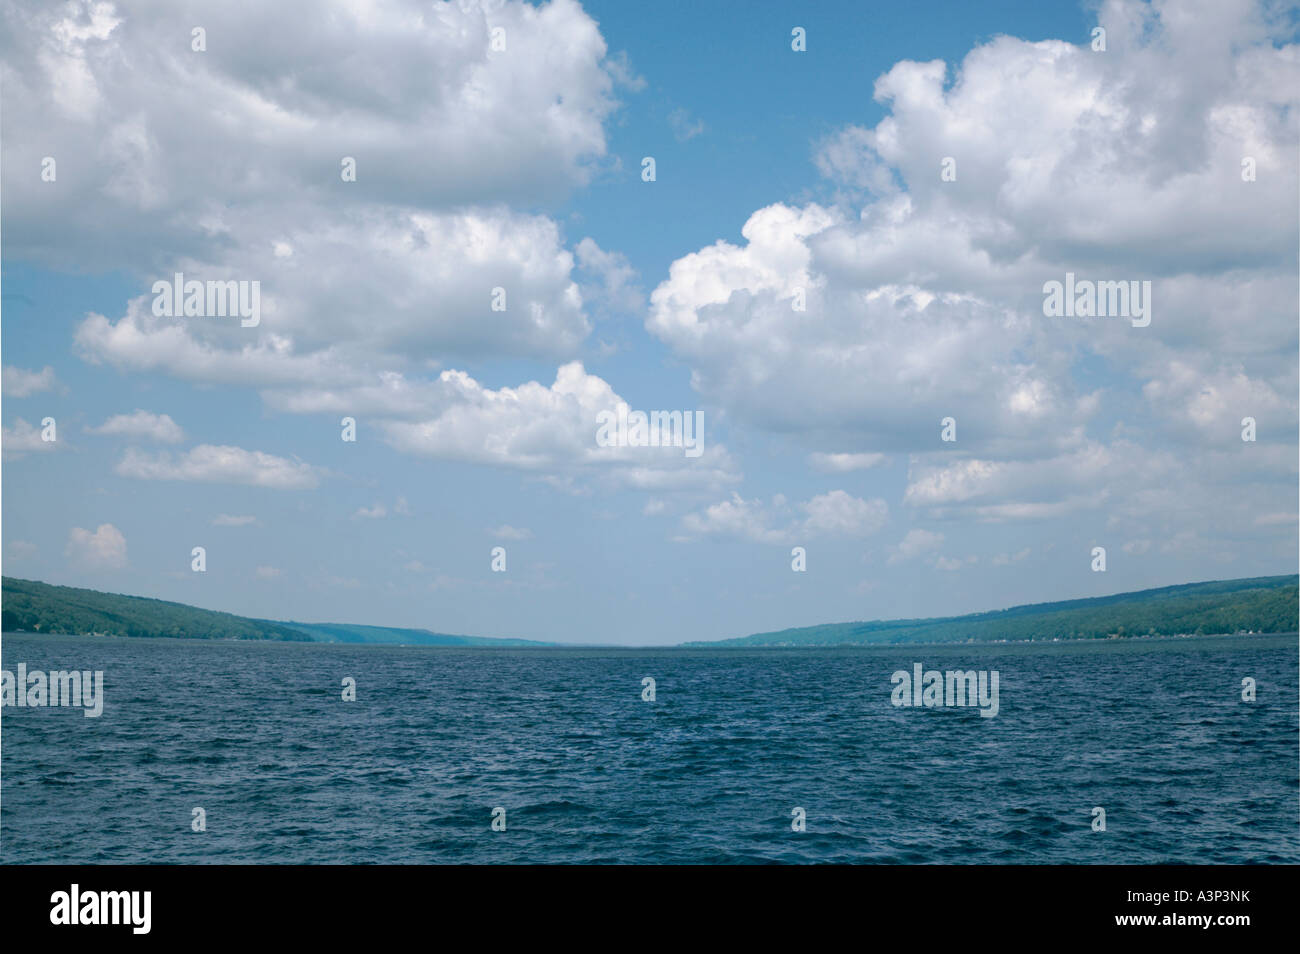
(991, 489)
(836, 513)
(209, 463)
(357, 299)
(849, 326)
(865, 321)
(507, 532)
(143, 425)
(730, 312)
(105, 549)
(362, 282)
(432, 115)
(915, 543)
(22, 439)
(924, 545)
(840, 513)
(20, 383)
(1211, 402)
(550, 429)
(738, 519)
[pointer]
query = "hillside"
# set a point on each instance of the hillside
(41, 607)
(1259, 605)
(355, 633)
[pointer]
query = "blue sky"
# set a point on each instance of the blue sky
(521, 168)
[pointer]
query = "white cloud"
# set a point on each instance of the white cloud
(233, 520)
(20, 383)
(141, 424)
(914, 544)
(843, 463)
(620, 68)
(738, 519)
(376, 512)
(430, 113)
(22, 439)
(840, 513)
(927, 352)
(836, 513)
(269, 572)
(994, 490)
(507, 532)
(1214, 400)
(364, 293)
(614, 286)
(105, 549)
(360, 281)
(684, 127)
(924, 297)
(547, 429)
(220, 464)
(1006, 559)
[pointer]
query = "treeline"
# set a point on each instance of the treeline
(1257, 605)
(41, 607)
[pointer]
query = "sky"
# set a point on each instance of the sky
(854, 216)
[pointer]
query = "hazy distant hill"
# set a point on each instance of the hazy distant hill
(41, 607)
(1266, 604)
(353, 633)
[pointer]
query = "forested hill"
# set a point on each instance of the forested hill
(1265, 604)
(44, 608)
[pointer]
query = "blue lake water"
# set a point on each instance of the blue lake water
(258, 735)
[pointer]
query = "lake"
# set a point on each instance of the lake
(258, 736)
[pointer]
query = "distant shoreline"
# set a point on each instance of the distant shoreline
(1247, 606)
(720, 646)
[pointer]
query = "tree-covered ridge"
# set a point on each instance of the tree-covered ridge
(1256, 605)
(42, 607)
